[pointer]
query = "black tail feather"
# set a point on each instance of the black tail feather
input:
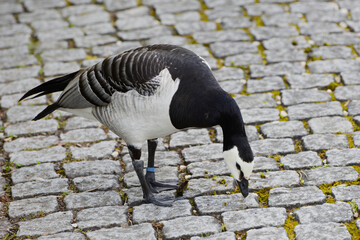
(55, 85)
(49, 109)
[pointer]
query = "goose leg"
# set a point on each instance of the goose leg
(139, 169)
(155, 186)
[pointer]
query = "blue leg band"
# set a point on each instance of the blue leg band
(150, 169)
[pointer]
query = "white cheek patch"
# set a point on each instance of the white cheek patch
(231, 157)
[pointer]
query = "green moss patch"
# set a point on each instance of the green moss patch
(263, 196)
(290, 225)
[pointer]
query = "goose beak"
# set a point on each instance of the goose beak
(244, 187)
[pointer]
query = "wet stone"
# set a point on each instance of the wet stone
(295, 197)
(101, 217)
(263, 33)
(309, 80)
(37, 172)
(203, 153)
(322, 231)
(301, 160)
(143, 34)
(217, 236)
(274, 179)
(330, 125)
(298, 42)
(80, 135)
(215, 204)
(50, 224)
(264, 85)
(151, 212)
(30, 142)
(57, 68)
(272, 146)
(143, 231)
(86, 168)
(320, 176)
(283, 129)
(265, 164)
(316, 142)
(22, 113)
(200, 186)
(132, 23)
(18, 73)
(343, 157)
(228, 73)
(96, 151)
(208, 169)
(188, 226)
(190, 137)
(344, 93)
(283, 68)
(328, 212)
(243, 59)
(64, 235)
(311, 110)
(98, 182)
(285, 55)
(224, 49)
(255, 101)
(267, 233)
(92, 199)
(345, 193)
(350, 78)
(244, 220)
(36, 188)
(334, 66)
(32, 127)
(296, 96)
(27, 158)
(260, 115)
(32, 206)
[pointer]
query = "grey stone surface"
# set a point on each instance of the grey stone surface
(22, 113)
(316, 142)
(336, 212)
(32, 206)
(283, 68)
(18, 86)
(79, 122)
(346, 38)
(265, 164)
(80, 135)
(267, 233)
(281, 19)
(265, 85)
(40, 187)
(262, 33)
(255, 101)
(16, 74)
(322, 231)
(310, 110)
(57, 68)
(297, 96)
(260, 115)
(285, 55)
(126, 24)
(329, 52)
(63, 55)
(334, 66)
(98, 182)
(95, 151)
(64, 235)
(354, 108)
(30, 143)
(190, 137)
(345, 193)
(208, 168)
(343, 157)
(101, 217)
(320, 176)
(243, 59)
(232, 86)
(224, 49)
(344, 93)
(272, 146)
(191, 225)
(219, 203)
(27, 158)
(350, 78)
(199, 186)
(86, 168)
(310, 28)
(228, 73)
(301, 160)
(142, 34)
(92, 199)
(37, 172)
(297, 42)
(139, 231)
(295, 197)
(217, 236)
(202, 153)
(283, 129)
(244, 220)
(330, 125)
(150, 212)
(50, 224)
(219, 36)
(273, 179)
(40, 126)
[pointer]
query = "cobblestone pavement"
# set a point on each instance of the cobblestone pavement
(292, 66)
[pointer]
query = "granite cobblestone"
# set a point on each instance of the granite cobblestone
(290, 65)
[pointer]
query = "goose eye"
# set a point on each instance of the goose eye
(238, 166)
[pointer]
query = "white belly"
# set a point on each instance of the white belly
(136, 118)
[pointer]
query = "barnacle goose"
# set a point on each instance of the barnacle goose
(150, 92)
